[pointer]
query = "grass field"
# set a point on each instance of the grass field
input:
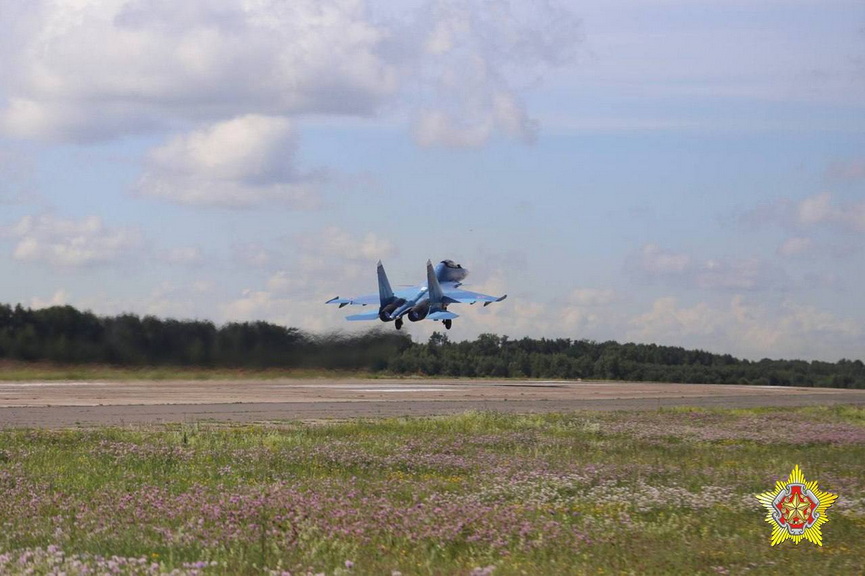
(15, 371)
(663, 492)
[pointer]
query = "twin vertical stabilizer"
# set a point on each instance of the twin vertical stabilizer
(435, 289)
(385, 292)
(436, 297)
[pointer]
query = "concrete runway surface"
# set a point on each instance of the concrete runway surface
(70, 404)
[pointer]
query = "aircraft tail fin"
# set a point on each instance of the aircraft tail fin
(385, 292)
(435, 290)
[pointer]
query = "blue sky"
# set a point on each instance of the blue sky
(681, 172)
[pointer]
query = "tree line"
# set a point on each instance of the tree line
(499, 356)
(66, 335)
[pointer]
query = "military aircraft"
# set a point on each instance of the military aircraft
(427, 301)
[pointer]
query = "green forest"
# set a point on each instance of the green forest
(65, 335)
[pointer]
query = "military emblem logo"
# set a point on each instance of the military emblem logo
(796, 509)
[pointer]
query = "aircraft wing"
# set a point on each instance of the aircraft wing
(458, 295)
(365, 316)
(356, 301)
(406, 292)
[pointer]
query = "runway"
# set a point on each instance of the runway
(71, 404)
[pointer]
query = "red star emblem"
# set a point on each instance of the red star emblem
(797, 509)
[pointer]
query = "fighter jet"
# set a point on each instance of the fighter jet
(427, 301)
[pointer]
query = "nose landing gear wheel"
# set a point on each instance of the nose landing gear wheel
(448, 323)
(398, 323)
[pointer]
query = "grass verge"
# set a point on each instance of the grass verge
(666, 492)
(14, 371)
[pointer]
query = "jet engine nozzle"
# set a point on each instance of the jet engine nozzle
(419, 312)
(385, 311)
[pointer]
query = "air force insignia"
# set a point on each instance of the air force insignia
(796, 509)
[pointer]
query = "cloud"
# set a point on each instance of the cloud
(71, 243)
(745, 329)
(326, 263)
(667, 322)
(182, 256)
(654, 260)
(709, 273)
(242, 162)
(795, 246)
(820, 209)
(737, 274)
(471, 56)
(165, 300)
(814, 225)
(475, 124)
(336, 242)
(332, 260)
(59, 298)
(174, 300)
(85, 71)
(98, 70)
(798, 215)
(253, 255)
(592, 297)
(307, 314)
(850, 170)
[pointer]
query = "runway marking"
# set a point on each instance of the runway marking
(368, 388)
(404, 389)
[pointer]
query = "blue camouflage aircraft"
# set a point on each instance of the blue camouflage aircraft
(428, 301)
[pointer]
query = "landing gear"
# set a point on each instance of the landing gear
(447, 323)
(398, 323)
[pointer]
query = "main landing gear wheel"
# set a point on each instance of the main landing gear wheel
(398, 323)
(448, 323)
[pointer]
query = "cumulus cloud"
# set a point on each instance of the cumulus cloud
(750, 330)
(589, 313)
(71, 243)
(468, 56)
(253, 255)
(737, 274)
(82, 71)
(326, 263)
(95, 70)
(591, 297)
(799, 215)
(241, 162)
(654, 260)
(167, 299)
(177, 300)
(849, 170)
(709, 273)
(182, 256)
(820, 209)
(336, 242)
(59, 298)
(795, 246)
(332, 260)
(668, 322)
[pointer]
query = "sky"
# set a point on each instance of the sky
(680, 172)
